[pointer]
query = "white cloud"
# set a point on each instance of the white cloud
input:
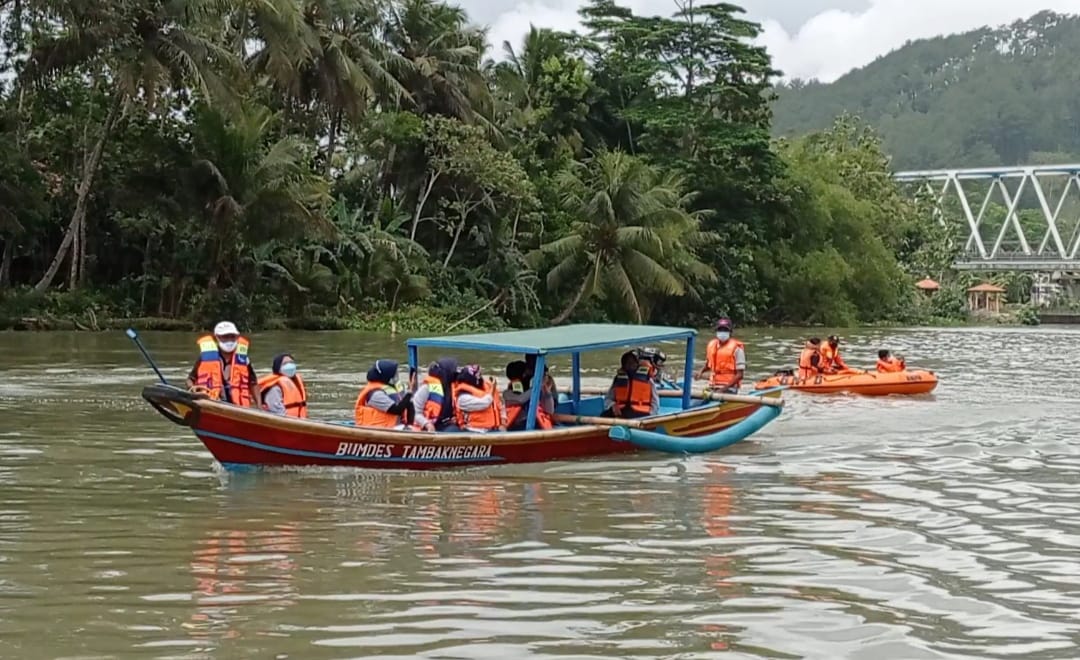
(826, 46)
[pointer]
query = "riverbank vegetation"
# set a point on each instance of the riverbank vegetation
(365, 162)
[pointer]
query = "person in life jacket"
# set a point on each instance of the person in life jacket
(283, 391)
(224, 370)
(831, 362)
(383, 402)
(725, 358)
(530, 372)
(478, 404)
(633, 391)
(518, 394)
(433, 402)
(888, 363)
(810, 359)
(656, 358)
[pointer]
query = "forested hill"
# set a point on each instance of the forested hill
(1003, 96)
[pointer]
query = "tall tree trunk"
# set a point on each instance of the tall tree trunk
(453, 244)
(420, 204)
(5, 263)
(565, 314)
(89, 171)
(331, 147)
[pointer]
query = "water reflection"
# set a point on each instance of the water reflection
(855, 528)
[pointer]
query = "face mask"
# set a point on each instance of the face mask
(227, 346)
(723, 335)
(288, 369)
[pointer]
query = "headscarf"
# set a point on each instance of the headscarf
(278, 359)
(383, 371)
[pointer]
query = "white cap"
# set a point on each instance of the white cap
(225, 328)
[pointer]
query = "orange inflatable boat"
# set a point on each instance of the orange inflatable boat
(870, 383)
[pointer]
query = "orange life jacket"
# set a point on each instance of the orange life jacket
(806, 365)
(434, 404)
(720, 359)
(293, 393)
(635, 391)
(890, 365)
(487, 419)
(211, 373)
(365, 415)
(515, 409)
(830, 358)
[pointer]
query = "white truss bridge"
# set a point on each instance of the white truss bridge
(1028, 218)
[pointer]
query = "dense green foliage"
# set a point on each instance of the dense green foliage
(345, 162)
(987, 97)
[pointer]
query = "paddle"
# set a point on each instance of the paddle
(138, 342)
(711, 396)
(597, 421)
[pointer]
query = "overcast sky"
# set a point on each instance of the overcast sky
(807, 38)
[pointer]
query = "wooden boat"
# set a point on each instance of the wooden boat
(242, 438)
(868, 383)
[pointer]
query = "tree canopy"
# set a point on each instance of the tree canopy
(352, 160)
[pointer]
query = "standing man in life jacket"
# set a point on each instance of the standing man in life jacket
(224, 369)
(382, 402)
(725, 358)
(518, 395)
(283, 391)
(633, 392)
(888, 363)
(831, 362)
(810, 359)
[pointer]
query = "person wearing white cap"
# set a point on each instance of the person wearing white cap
(225, 352)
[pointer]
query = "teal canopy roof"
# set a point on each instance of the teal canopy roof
(560, 339)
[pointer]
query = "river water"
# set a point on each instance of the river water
(944, 526)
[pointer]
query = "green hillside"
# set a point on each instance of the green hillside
(1001, 96)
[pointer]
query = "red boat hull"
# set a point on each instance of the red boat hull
(240, 437)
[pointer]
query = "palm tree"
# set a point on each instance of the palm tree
(134, 50)
(445, 76)
(631, 238)
(252, 188)
(335, 58)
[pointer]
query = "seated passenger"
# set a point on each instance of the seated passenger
(530, 371)
(810, 359)
(518, 394)
(283, 391)
(888, 363)
(432, 403)
(383, 403)
(831, 362)
(477, 403)
(632, 393)
(657, 358)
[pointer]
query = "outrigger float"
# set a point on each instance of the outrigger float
(246, 438)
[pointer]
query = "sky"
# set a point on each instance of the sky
(821, 39)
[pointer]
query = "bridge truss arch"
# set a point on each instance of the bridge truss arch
(1028, 218)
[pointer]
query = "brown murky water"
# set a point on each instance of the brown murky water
(938, 527)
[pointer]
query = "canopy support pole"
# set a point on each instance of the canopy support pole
(688, 372)
(575, 368)
(535, 388)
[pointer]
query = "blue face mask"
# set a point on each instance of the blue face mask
(288, 369)
(723, 335)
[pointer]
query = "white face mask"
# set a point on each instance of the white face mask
(227, 346)
(723, 335)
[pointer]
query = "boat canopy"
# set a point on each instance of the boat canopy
(558, 340)
(570, 340)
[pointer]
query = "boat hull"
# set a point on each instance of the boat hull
(241, 438)
(868, 384)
